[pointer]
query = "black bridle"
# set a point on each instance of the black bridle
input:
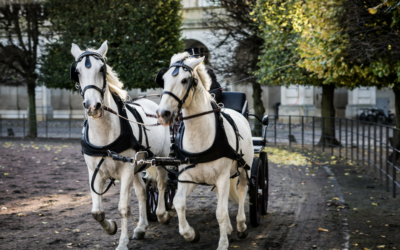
(74, 74)
(191, 85)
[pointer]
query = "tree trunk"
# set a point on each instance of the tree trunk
(328, 113)
(32, 124)
(259, 109)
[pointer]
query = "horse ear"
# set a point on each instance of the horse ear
(194, 62)
(103, 49)
(76, 51)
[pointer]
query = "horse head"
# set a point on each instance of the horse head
(89, 71)
(179, 87)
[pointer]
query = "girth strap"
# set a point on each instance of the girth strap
(112, 180)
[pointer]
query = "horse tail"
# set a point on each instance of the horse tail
(151, 174)
(233, 190)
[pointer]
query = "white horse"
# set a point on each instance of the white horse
(104, 129)
(199, 136)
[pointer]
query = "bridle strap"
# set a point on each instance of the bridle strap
(93, 87)
(181, 118)
(96, 56)
(174, 96)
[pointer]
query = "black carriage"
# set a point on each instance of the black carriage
(258, 184)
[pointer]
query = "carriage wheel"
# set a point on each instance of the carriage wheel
(169, 197)
(256, 193)
(264, 204)
(152, 199)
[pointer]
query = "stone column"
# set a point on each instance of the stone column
(359, 98)
(296, 101)
(43, 103)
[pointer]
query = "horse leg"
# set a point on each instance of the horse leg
(225, 226)
(162, 214)
(109, 226)
(140, 190)
(190, 234)
(124, 207)
(242, 231)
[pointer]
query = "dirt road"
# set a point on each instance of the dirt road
(46, 204)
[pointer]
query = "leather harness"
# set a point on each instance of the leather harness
(219, 149)
(126, 140)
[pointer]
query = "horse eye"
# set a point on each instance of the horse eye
(184, 81)
(102, 69)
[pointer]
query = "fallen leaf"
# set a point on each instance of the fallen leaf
(335, 198)
(235, 246)
(381, 246)
(355, 208)
(56, 232)
(69, 244)
(67, 229)
(21, 214)
(292, 225)
(76, 230)
(374, 204)
(323, 230)
(383, 236)
(87, 234)
(3, 208)
(5, 173)
(44, 222)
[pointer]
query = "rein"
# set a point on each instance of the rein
(139, 123)
(181, 118)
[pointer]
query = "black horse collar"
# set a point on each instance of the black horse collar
(74, 75)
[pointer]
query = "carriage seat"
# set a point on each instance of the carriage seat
(236, 101)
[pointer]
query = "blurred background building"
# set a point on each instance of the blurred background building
(292, 100)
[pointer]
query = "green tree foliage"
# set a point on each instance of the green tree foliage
(333, 43)
(142, 37)
(23, 28)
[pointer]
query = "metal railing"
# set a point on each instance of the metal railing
(369, 145)
(47, 126)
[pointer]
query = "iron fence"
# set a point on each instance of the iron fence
(369, 145)
(46, 126)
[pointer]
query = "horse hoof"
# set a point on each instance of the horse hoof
(243, 235)
(115, 228)
(196, 236)
(168, 220)
(138, 235)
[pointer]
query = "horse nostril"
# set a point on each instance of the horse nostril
(85, 105)
(98, 105)
(166, 114)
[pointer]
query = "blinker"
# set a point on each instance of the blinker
(88, 64)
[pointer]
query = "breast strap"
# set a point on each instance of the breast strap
(220, 147)
(125, 140)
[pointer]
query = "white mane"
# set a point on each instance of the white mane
(199, 71)
(115, 84)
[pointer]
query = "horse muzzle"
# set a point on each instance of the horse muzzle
(165, 117)
(95, 111)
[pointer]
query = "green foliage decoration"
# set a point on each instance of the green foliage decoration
(330, 42)
(142, 36)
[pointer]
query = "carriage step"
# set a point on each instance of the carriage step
(258, 149)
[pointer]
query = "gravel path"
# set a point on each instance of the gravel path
(45, 190)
